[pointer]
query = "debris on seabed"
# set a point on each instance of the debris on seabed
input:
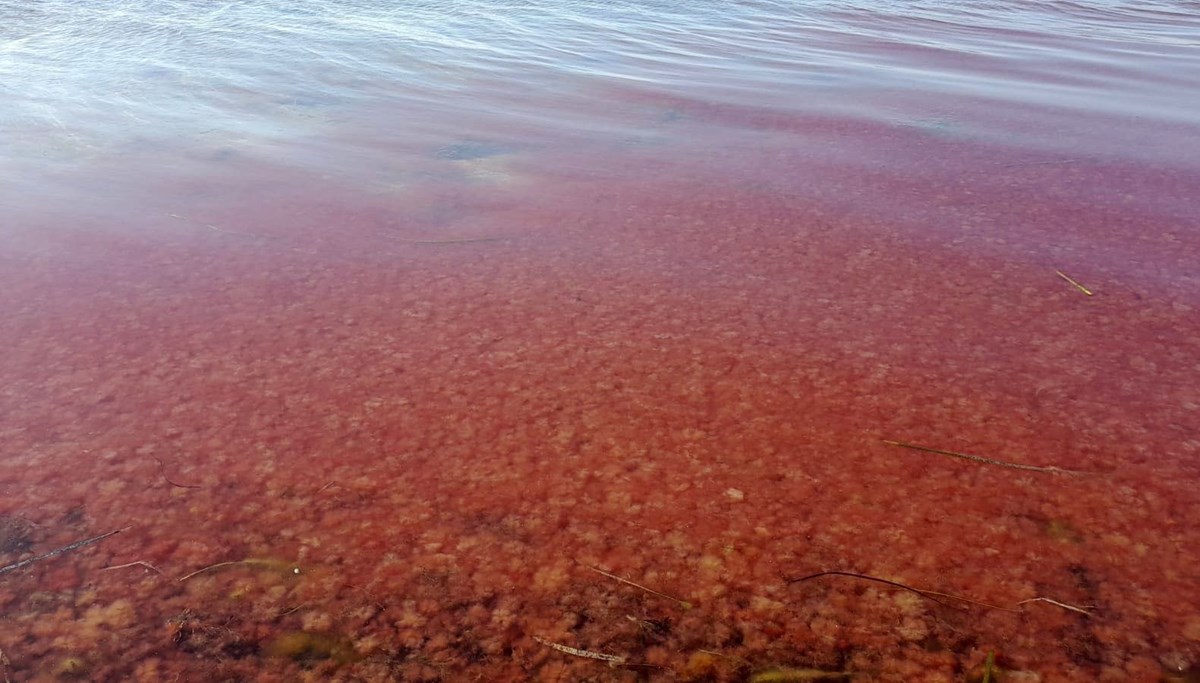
(682, 603)
(1078, 286)
(449, 240)
(798, 676)
(142, 563)
(1086, 611)
(257, 562)
(59, 551)
(980, 458)
(934, 596)
(613, 660)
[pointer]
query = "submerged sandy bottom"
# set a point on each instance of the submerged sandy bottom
(425, 447)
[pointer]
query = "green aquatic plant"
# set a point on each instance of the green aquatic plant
(988, 672)
(1061, 530)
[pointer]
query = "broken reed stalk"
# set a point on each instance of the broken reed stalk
(59, 551)
(980, 458)
(1085, 611)
(682, 603)
(1078, 286)
(935, 596)
(613, 660)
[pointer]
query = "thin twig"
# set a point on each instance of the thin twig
(448, 240)
(297, 608)
(1078, 286)
(209, 568)
(143, 563)
(1052, 162)
(59, 551)
(235, 233)
(1082, 610)
(735, 658)
(248, 562)
(162, 470)
(960, 598)
(682, 603)
(928, 595)
(613, 660)
(980, 458)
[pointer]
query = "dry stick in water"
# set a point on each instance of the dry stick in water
(1078, 286)
(928, 595)
(448, 240)
(59, 551)
(127, 565)
(1082, 610)
(264, 563)
(613, 660)
(980, 458)
(682, 603)
(162, 470)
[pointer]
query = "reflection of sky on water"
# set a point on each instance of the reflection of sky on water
(88, 75)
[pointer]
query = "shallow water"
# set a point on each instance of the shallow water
(449, 305)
